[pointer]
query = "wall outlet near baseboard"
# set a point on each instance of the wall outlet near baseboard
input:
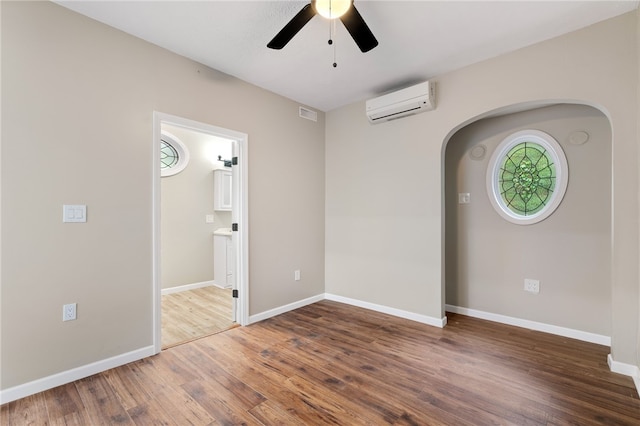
(532, 286)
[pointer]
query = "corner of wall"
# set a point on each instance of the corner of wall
(625, 369)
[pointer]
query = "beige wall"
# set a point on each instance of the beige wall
(637, 363)
(384, 205)
(488, 258)
(74, 90)
(186, 198)
(77, 115)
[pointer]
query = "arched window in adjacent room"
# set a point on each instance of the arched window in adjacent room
(174, 155)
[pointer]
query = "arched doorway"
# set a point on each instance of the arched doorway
(488, 259)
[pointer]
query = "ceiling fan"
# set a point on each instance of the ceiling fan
(332, 9)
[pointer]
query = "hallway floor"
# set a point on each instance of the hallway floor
(192, 314)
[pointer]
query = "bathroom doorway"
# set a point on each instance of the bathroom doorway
(193, 288)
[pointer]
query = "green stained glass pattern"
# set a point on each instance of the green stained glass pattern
(527, 178)
(168, 155)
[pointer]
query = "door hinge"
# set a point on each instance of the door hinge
(234, 293)
(234, 227)
(234, 161)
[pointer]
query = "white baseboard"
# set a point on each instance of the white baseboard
(424, 319)
(58, 379)
(626, 369)
(533, 325)
(186, 287)
(286, 308)
(222, 286)
(39, 385)
(437, 322)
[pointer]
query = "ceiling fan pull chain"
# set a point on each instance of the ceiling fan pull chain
(332, 30)
(335, 64)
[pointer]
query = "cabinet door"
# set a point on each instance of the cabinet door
(230, 262)
(222, 190)
(220, 260)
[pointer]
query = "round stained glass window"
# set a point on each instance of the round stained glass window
(174, 156)
(527, 177)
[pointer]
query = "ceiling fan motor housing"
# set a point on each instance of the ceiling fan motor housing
(352, 20)
(331, 9)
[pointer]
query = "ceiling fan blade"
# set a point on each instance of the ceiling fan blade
(358, 29)
(293, 26)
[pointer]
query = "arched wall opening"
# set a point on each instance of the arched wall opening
(488, 259)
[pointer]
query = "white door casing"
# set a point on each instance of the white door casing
(240, 215)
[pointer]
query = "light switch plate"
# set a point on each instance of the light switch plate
(74, 213)
(464, 198)
(208, 218)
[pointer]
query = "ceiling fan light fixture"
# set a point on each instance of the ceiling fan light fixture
(332, 9)
(345, 10)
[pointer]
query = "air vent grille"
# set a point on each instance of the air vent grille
(308, 114)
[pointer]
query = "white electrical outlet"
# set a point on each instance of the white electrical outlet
(532, 286)
(296, 275)
(74, 213)
(69, 312)
(464, 198)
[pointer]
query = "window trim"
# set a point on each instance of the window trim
(562, 175)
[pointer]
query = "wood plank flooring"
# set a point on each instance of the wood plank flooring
(192, 314)
(330, 363)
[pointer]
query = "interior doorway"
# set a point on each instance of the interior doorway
(191, 300)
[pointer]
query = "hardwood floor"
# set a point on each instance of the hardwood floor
(192, 314)
(330, 363)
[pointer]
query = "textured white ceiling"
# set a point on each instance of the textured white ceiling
(418, 39)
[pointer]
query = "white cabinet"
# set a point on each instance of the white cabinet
(223, 259)
(222, 190)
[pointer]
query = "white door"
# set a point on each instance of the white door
(235, 219)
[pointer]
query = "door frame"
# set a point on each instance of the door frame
(240, 215)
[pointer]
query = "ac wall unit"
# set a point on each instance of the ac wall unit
(408, 101)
